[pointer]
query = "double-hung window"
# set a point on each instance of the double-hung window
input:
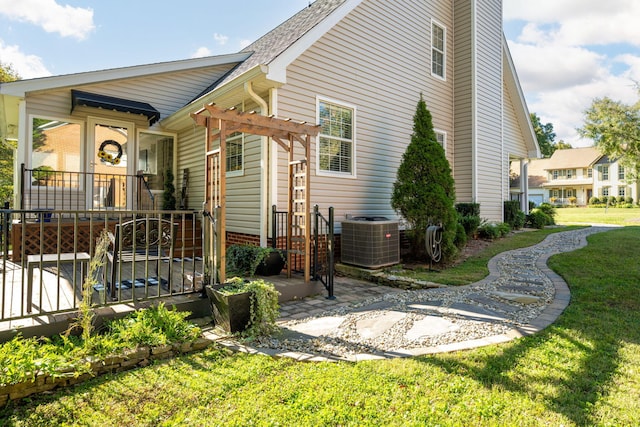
(336, 154)
(621, 174)
(235, 154)
(441, 138)
(438, 50)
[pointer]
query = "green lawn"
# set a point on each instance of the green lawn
(583, 370)
(614, 216)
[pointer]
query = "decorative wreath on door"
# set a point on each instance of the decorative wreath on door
(106, 157)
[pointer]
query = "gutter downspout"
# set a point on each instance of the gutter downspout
(264, 162)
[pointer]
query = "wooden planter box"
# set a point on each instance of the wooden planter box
(231, 312)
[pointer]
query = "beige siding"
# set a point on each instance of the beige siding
(489, 151)
(463, 95)
(359, 63)
(514, 144)
(243, 192)
(513, 132)
(191, 152)
(165, 92)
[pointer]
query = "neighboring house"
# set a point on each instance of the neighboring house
(610, 179)
(537, 176)
(573, 176)
(356, 67)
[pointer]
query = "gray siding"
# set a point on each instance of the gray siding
(360, 63)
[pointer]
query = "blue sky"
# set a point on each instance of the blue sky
(566, 52)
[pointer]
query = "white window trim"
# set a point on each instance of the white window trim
(239, 172)
(320, 172)
(444, 53)
(444, 139)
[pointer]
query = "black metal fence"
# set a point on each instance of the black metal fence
(60, 190)
(45, 259)
(322, 245)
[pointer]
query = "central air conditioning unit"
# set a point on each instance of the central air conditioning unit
(370, 241)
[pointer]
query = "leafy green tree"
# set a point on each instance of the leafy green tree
(544, 134)
(7, 74)
(424, 191)
(614, 127)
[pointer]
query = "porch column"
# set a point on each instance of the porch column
(524, 185)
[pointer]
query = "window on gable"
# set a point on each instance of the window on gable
(621, 174)
(438, 50)
(235, 154)
(605, 173)
(336, 139)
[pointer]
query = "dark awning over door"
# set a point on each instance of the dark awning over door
(115, 104)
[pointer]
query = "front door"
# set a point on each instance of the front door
(110, 177)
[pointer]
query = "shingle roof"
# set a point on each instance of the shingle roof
(573, 158)
(271, 45)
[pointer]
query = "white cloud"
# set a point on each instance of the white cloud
(220, 39)
(570, 52)
(549, 67)
(27, 66)
(201, 51)
(65, 20)
(580, 22)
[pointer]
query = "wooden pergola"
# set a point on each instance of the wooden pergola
(220, 123)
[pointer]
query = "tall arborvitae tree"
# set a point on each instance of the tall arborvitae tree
(424, 192)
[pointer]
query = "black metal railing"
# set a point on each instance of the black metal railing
(62, 190)
(323, 249)
(45, 258)
(210, 248)
(322, 245)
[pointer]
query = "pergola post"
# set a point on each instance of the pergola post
(284, 132)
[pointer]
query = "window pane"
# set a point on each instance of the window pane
(438, 38)
(56, 145)
(437, 50)
(235, 144)
(336, 135)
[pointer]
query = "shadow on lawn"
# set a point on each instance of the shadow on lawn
(572, 364)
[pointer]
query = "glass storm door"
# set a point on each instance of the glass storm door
(109, 180)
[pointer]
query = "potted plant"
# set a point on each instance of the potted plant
(249, 260)
(168, 197)
(247, 307)
(269, 261)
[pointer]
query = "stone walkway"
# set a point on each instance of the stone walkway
(521, 296)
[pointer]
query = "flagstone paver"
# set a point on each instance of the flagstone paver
(519, 297)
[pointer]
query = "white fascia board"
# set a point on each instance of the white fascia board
(510, 76)
(278, 67)
(21, 87)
